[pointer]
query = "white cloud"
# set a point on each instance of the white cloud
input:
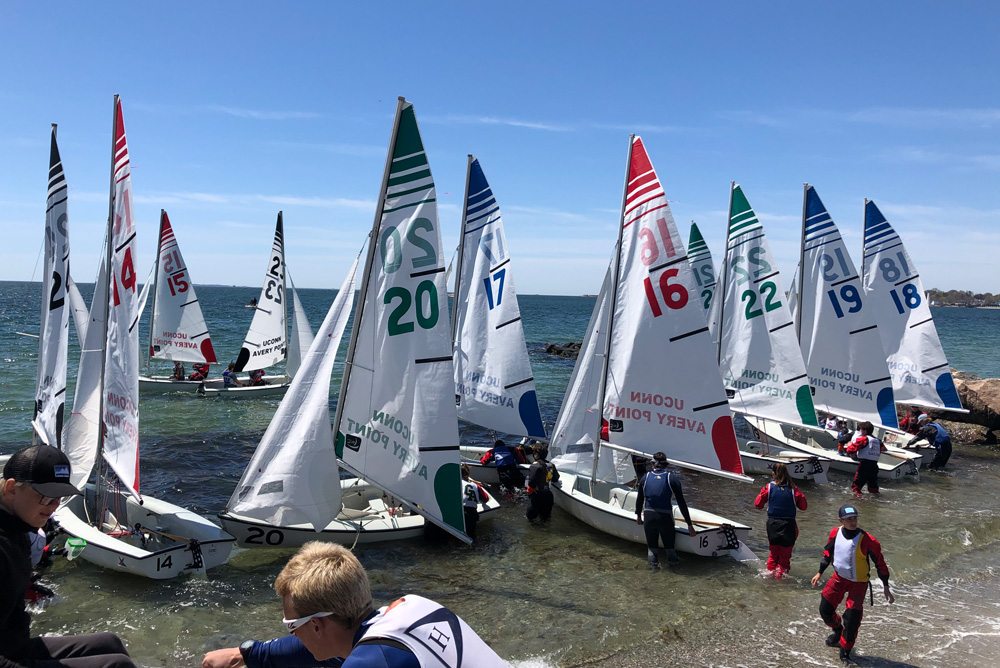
(262, 114)
(461, 119)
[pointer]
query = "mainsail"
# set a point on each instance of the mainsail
(396, 422)
(494, 386)
(265, 340)
(662, 387)
(177, 331)
(919, 368)
(837, 331)
(759, 354)
(121, 362)
(301, 337)
(293, 475)
(53, 343)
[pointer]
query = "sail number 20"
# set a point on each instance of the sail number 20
(425, 297)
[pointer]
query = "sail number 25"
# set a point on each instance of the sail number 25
(675, 296)
(425, 296)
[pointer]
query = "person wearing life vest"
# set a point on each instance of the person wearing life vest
(911, 421)
(179, 371)
(199, 371)
(782, 499)
(540, 475)
(851, 551)
(506, 459)
(256, 377)
(654, 510)
(867, 449)
(229, 378)
(473, 495)
(936, 435)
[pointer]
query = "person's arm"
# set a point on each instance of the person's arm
(555, 473)
(640, 498)
(827, 556)
(487, 458)
(873, 549)
(761, 499)
(284, 652)
(483, 497)
(675, 485)
(800, 499)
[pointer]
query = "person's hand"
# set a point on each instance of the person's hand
(888, 595)
(638, 520)
(229, 657)
(691, 530)
(815, 579)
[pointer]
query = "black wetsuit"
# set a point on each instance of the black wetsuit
(540, 497)
(658, 522)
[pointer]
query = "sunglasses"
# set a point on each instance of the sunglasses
(48, 500)
(293, 624)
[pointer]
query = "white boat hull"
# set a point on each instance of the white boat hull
(715, 536)
(368, 516)
(893, 465)
(273, 386)
(758, 458)
(484, 473)
(168, 540)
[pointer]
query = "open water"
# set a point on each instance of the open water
(561, 594)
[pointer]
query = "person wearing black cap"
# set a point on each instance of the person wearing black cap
(34, 480)
(936, 435)
(655, 512)
(851, 550)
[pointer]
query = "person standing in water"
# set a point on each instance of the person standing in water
(654, 510)
(782, 498)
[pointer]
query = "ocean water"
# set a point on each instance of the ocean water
(561, 594)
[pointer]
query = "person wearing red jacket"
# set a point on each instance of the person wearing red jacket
(851, 551)
(782, 498)
(867, 449)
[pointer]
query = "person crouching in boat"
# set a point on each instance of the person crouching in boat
(179, 371)
(867, 449)
(782, 498)
(199, 371)
(850, 550)
(256, 377)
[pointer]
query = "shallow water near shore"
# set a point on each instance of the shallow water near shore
(561, 594)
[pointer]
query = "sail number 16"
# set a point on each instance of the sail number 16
(675, 296)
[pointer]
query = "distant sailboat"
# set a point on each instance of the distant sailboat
(917, 363)
(700, 258)
(655, 340)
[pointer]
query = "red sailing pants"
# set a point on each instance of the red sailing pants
(833, 593)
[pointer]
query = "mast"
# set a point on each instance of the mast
(109, 242)
(284, 287)
(461, 251)
(359, 309)
(724, 272)
(802, 259)
(611, 312)
(864, 235)
(156, 278)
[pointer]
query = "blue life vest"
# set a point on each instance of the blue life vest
(227, 378)
(502, 456)
(780, 500)
(942, 436)
(657, 492)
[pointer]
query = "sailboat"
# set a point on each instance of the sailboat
(917, 363)
(124, 530)
(758, 353)
(841, 347)
(494, 385)
(700, 257)
(647, 338)
(266, 343)
(177, 329)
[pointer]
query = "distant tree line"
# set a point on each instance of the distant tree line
(962, 298)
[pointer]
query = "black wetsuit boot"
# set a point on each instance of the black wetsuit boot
(833, 639)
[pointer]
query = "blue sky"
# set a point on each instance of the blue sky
(235, 110)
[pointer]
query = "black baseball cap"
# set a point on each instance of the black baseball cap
(848, 511)
(44, 468)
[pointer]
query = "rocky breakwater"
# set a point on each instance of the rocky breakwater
(569, 350)
(981, 397)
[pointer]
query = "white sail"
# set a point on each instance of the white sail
(396, 421)
(301, 337)
(144, 293)
(53, 342)
(78, 308)
(578, 426)
(121, 364)
(837, 331)
(759, 354)
(700, 258)
(293, 475)
(81, 435)
(919, 368)
(177, 331)
(663, 388)
(265, 340)
(494, 386)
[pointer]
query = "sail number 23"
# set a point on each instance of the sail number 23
(425, 297)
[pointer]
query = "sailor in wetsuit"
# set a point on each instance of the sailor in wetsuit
(541, 473)
(867, 449)
(936, 435)
(782, 498)
(851, 551)
(506, 459)
(655, 512)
